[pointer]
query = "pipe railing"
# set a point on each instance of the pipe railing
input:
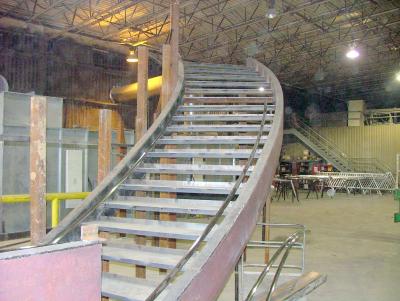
(226, 242)
(110, 185)
(195, 246)
(288, 244)
(54, 198)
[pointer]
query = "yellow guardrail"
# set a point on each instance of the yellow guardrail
(54, 198)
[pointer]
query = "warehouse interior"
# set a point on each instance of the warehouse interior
(199, 150)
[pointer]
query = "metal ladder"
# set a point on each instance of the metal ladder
(223, 117)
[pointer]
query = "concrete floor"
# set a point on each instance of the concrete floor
(351, 239)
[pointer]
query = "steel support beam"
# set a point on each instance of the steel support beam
(37, 170)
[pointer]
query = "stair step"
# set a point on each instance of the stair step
(225, 128)
(224, 108)
(221, 72)
(202, 64)
(161, 258)
(231, 91)
(185, 206)
(202, 153)
(221, 84)
(193, 169)
(227, 100)
(224, 77)
(189, 64)
(297, 288)
(152, 228)
(178, 186)
(125, 288)
(221, 117)
(210, 140)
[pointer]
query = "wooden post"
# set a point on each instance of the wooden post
(174, 13)
(104, 163)
(104, 146)
(37, 172)
(141, 128)
(170, 71)
(120, 134)
(142, 95)
(166, 76)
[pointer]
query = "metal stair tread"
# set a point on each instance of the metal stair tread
(152, 228)
(226, 76)
(125, 288)
(208, 140)
(218, 128)
(179, 186)
(141, 255)
(224, 108)
(188, 206)
(220, 84)
(221, 117)
(232, 91)
(202, 169)
(227, 99)
(202, 153)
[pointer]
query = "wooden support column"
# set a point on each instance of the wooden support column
(104, 145)
(104, 163)
(141, 128)
(142, 94)
(120, 134)
(170, 70)
(166, 76)
(174, 13)
(37, 168)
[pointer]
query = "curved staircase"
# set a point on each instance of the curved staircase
(206, 164)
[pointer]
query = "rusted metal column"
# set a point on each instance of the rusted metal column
(141, 128)
(37, 168)
(174, 7)
(104, 146)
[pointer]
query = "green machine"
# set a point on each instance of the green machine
(397, 198)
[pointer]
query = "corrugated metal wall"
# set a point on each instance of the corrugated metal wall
(75, 72)
(375, 141)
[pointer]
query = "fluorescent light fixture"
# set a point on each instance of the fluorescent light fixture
(398, 76)
(132, 58)
(352, 53)
(271, 13)
(261, 89)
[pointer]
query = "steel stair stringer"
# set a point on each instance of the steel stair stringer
(210, 270)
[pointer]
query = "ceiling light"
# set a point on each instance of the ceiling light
(261, 89)
(132, 58)
(271, 13)
(352, 53)
(398, 76)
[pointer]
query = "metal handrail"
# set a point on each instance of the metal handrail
(108, 187)
(195, 246)
(309, 130)
(288, 244)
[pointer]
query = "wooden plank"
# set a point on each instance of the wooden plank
(166, 75)
(174, 13)
(141, 128)
(142, 94)
(37, 168)
(104, 145)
